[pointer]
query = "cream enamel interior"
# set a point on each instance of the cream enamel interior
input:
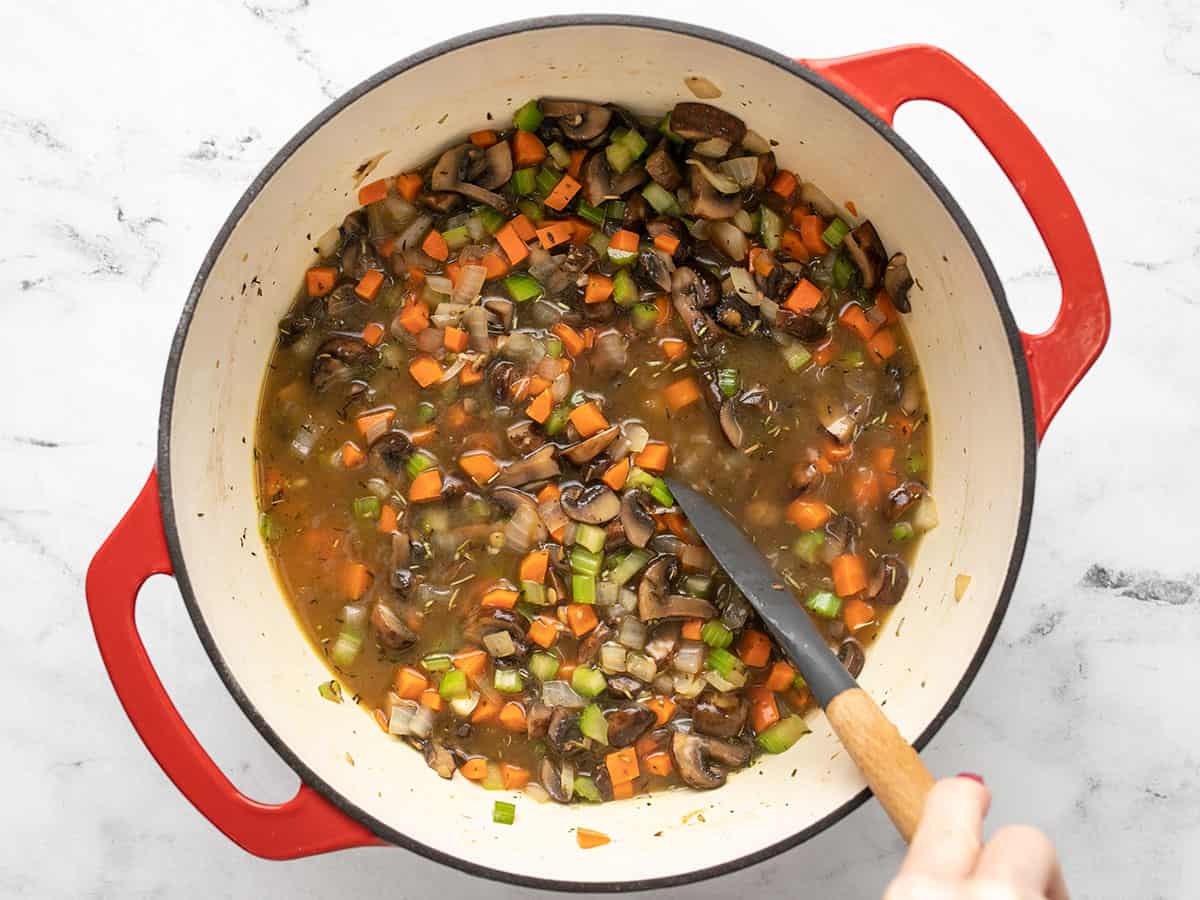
(979, 452)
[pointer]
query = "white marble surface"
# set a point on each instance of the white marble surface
(128, 130)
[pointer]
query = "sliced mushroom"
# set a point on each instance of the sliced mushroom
(779, 283)
(730, 426)
(438, 758)
(867, 251)
(805, 327)
(835, 418)
(720, 714)
(390, 451)
(897, 281)
(537, 720)
(551, 777)
(664, 638)
(503, 310)
(708, 202)
(636, 211)
(734, 607)
(624, 686)
(338, 358)
(736, 315)
(585, 450)
(499, 376)
(702, 760)
(390, 630)
(852, 655)
(636, 517)
(592, 505)
(661, 166)
(524, 436)
(451, 172)
(590, 645)
(499, 166)
(889, 581)
(840, 533)
(359, 257)
(654, 601)
(703, 121)
(538, 465)
(627, 724)
(633, 177)
(485, 620)
(579, 121)
(900, 499)
(656, 267)
(562, 732)
(597, 179)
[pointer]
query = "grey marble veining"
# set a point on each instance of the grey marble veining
(128, 130)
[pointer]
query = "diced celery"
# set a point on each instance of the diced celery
(824, 603)
(593, 724)
(783, 734)
(590, 536)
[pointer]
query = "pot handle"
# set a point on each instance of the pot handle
(882, 80)
(303, 826)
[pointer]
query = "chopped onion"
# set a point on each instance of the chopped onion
(304, 441)
(629, 600)
(637, 435)
(714, 678)
(400, 720)
(742, 220)
(817, 199)
(448, 313)
(925, 516)
(464, 706)
(632, 633)
(664, 684)
(608, 593)
(518, 346)
(411, 237)
(470, 283)
(721, 182)
(699, 229)
(378, 487)
(541, 264)
(400, 210)
(439, 283)
(701, 87)
(612, 657)
(476, 321)
(769, 310)
(552, 515)
(475, 228)
(688, 685)
(640, 666)
(744, 285)
(537, 793)
(755, 142)
(545, 314)
(611, 353)
(742, 169)
(560, 386)
(421, 723)
(559, 693)
(499, 644)
(566, 778)
(429, 340)
(521, 530)
(327, 243)
(689, 658)
(713, 148)
(729, 239)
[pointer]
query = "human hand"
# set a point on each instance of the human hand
(949, 861)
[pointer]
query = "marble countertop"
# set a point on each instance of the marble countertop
(129, 130)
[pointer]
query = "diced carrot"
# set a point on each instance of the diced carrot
(622, 765)
(854, 318)
(781, 676)
(808, 514)
(588, 419)
(805, 297)
(474, 768)
(488, 709)
(622, 791)
(431, 699)
(500, 598)
(576, 166)
(423, 436)
(883, 459)
(495, 265)
(513, 777)
(563, 193)
(523, 227)
(435, 246)
(764, 711)
(580, 230)
(409, 185)
(483, 138)
(368, 286)
(658, 763)
(793, 245)
(904, 425)
(616, 474)
(528, 150)
(654, 457)
(539, 409)
(543, 631)
(585, 837)
(356, 578)
(471, 374)
(663, 304)
(378, 420)
(410, 683)
(678, 525)
(537, 384)
(473, 661)
(387, 520)
(691, 629)
(857, 614)
(386, 246)
(888, 482)
(811, 229)
(836, 451)
(414, 318)
(666, 242)
(426, 486)
(626, 241)
(662, 707)
(865, 488)
(480, 465)
(589, 337)
(884, 304)
(849, 574)
(883, 346)
(512, 717)
(511, 243)
(784, 184)
(825, 351)
(548, 493)
(681, 393)
(673, 348)
(754, 648)
(352, 456)
(599, 288)
(454, 339)
(373, 192)
(319, 280)
(373, 334)
(533, 566)
(647, 744)
(425, 370)
(581, 617)
(454, 272)
(572, 340)
(554, 233)
(416, 275)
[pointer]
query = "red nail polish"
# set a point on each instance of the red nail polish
(972, 776)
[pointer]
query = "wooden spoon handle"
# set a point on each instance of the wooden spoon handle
(894, 771)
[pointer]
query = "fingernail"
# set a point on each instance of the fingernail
(972, 776)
